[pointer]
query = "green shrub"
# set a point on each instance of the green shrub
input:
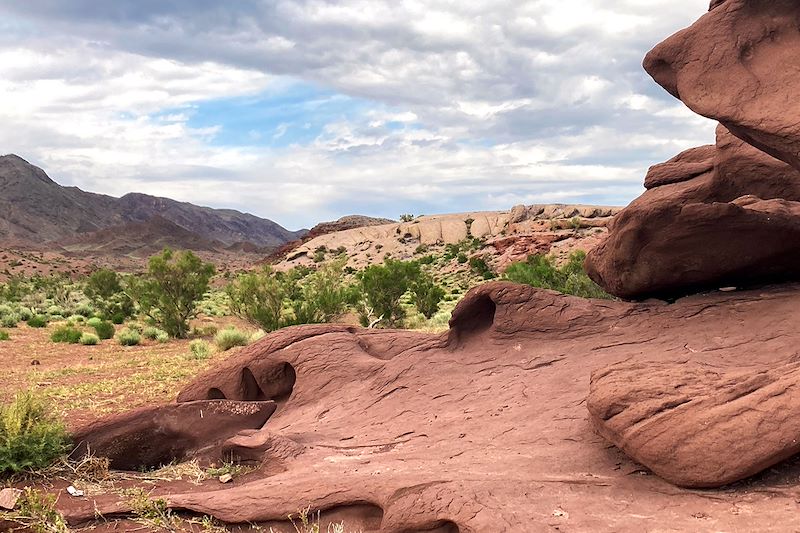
(204, 331)
(169, 291)
(25, 313)
(89, 339)
(479, 266)
(66, 334)
(31, 437)
(55, 310)
(426, 295)
(540, 271)
(155, 334)
(128, 337)
(162, 337)
(104, 289)
(462, 258)
(5, 310)
(4, 336)
(104, 330)
(38, 321)
(94, 321)
(382, 286)
(118, 318)
(199, 349)
(77, 319)
(9, 321)
(84, 310)
(231, 337)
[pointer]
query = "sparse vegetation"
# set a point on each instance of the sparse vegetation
(105, 330)
(541, 271)
(230, 338)
(37, 512)
(67, 334)
(128, 337)
(38, 321)
(199, 349)
(89, 339)
(4, 336)
(31, 436)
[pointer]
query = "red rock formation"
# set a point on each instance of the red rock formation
(485, 427)
(738, 64)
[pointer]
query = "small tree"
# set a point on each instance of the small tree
(323, 295)
(168, 293)
(427, 295)
(382, 286)
(104, 289)
(258, 298)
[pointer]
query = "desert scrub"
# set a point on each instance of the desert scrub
(105, 330)
(24, 313)
(66, 334)
(10, 321)
(128, 337)
(31, 436)
(541, 271)
(89, 339)
(94, 321)
(155, 334)
(4, 336)
(199, 349)
(38, 321)
(37, 512)
(231, 337)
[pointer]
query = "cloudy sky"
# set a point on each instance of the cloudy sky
(307, 110)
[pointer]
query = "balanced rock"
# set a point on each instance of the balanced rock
(738, 64)
(711, 217)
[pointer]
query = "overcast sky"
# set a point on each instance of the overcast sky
(306, 110)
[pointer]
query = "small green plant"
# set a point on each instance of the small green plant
(38, 321)
(105, 330)
(231, 337)
(153, 512)
(479, 266)
(31, 436)
(10, 321)
(199, 349)
(25, 313)
(37, 512)
(406, 217)
(67, 334)
(4, 336)
(94, 321)
(89, 339)
(462, 258)
(128, 337)
(77, 319)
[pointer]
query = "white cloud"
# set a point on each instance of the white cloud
(468, 103)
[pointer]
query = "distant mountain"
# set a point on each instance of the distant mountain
(36, 209)
(139, 239)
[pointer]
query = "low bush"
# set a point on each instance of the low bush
(199, 349)
(89, 339)
(24, 313)
(84, 310)
(67, 334)
(38, 321)
(94, 321)
(231, 337)
(5, 310)
(204, 331)
(77, 319)
(540, 271)
(55, 310)
(31, 436)
(155, 334)
(104, 330)
(10, 320)
(4, 336)
(128, 337)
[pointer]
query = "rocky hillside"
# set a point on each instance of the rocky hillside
(500, 237)
(36, 209)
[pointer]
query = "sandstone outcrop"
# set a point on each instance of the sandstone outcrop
(485, 427)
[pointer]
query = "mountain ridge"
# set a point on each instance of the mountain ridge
(35, 208)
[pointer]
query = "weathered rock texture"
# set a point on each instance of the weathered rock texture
(485, 427)
(725, 214)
